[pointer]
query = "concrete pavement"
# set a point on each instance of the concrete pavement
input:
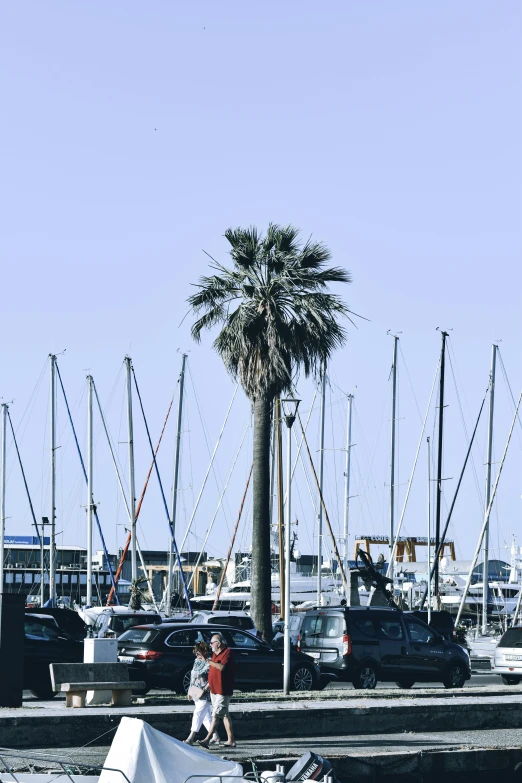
(458, 755)
(464, 734)
(299, 716)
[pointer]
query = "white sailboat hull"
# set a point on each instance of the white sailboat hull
(303, 590)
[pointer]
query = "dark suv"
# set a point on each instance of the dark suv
(363, 645)
(45, 643)
(442, 622)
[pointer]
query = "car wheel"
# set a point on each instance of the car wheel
(366, 677)
(510, 680)
(303, 679)
(455, 676)
(184, 681)
(406, 684)
(43, 693)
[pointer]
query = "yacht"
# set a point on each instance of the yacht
(303, 592)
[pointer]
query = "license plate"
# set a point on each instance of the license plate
(125, 659)
(314, 655)
(513, 657)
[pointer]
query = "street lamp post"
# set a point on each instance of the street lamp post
(290, 407)
(45, 521)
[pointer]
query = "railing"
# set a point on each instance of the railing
(222, 778)
(10, 761)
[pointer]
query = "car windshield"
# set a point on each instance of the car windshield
(138, 636)
(36, 630)
(512, 638)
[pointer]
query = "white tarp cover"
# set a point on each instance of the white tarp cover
(146, 755)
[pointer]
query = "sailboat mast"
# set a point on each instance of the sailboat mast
(52, 494)
(89, 490)
(347, 481)
(132, 499)
(392, 453)
(438, 508)
(485, 566)
(429, 530)
(2, 495)
(168, 608)
(321, 476)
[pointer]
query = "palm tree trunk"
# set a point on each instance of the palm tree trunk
(261, 605)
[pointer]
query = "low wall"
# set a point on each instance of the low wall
(67, 728)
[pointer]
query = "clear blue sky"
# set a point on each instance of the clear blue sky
(134, 134)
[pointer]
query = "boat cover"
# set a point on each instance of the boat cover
(146, 755)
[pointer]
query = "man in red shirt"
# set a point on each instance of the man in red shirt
(221, 679)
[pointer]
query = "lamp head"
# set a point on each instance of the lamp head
(289, 406)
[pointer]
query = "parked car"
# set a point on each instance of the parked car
(507, 658)
(113, 622)
(442, 622)
(234, 619)
(162, 656)
(295, 625)
(45, 643)
(364, 645)
(66, 619)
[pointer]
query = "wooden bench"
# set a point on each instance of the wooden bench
(75, 679)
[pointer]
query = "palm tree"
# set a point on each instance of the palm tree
(276, 317)
(138, 593)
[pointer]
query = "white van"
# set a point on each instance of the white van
(113, 621)
(295, 623)
(237, 619)
(507, 658)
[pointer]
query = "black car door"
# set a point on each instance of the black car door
(46, 643)
(257, 664)
(426, 649)
(392, 644)
(178, 655)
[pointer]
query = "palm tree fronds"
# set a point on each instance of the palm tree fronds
(274, 308)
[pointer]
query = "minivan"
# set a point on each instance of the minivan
(365, 645)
